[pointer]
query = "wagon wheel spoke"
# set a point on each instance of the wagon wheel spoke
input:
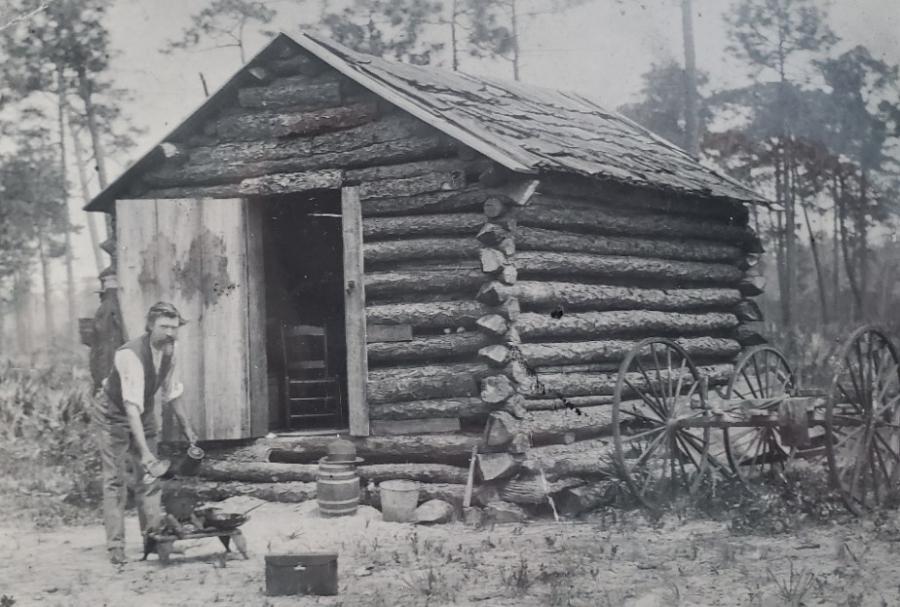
(691, 486)
(669, 378)
(654, 405)
(650, 385)
(894, 454)
(680, 454)
(871, 456)
(651, 449)
(844, 438)
(665, 462)
(680, 383)
(749, 384)
(849, 399)
(879, 367)
(757, 374)
(754, 451)
(882, 467)
(635, 437)
(693, 438)
(641, 417)
(759, 448)
(861, 420)
(659, 382)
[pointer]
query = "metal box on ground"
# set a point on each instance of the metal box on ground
(312, 573)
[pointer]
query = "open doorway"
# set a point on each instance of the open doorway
(305, 327)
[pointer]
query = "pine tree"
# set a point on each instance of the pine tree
(30, 177)
(223, 24)
(662, 104)
(63, 49)
(770, 36)
(396, 29)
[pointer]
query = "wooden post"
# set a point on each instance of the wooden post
(355, 312)
(257, 362)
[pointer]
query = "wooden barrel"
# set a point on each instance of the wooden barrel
(337, 488)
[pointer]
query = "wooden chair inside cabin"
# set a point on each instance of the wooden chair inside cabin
(311, 389)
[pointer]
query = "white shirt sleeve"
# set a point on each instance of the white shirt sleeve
(131, 372)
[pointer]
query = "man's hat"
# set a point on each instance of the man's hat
(164, 308)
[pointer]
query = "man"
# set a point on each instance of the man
(107, 334)
(127, 423)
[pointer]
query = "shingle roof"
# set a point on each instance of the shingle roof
(525, 128)
(539, 129)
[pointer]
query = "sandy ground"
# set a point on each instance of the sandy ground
(596, 562)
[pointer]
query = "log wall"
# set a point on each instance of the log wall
(597, 273)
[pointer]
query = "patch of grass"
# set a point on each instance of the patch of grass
(49, 464)
(795, 587)
(519, 578)
(432, 585)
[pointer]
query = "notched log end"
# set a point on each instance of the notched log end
(496, 389)
(492, 261)
(493, 294)
(497, 355)
(493, 324)
(492, 234)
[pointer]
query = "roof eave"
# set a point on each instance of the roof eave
(103, 201)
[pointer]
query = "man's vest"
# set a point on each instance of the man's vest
(152, 381)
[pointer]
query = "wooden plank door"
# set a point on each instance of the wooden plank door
(198, 255)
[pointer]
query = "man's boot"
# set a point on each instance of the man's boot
(117, 556)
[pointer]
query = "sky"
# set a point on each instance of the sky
(599, 49)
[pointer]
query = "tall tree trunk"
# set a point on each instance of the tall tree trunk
(887, 279)
(454, 43)
(692, 112)
(21, 299)
(4, 342)
(848, 260)
(71, 329)
(836, 253)
(85, 91)
(86, 196)
(781, 253)
(790, 236)
(787, 188)
(240, 40)
(48, 295)
(862, 240)
(514, 22)
(820, 274)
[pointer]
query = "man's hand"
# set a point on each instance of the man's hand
(147, 460)
(190, 435)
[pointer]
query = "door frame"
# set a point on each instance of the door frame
(355, 312)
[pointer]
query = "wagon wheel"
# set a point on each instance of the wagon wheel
(862, 421)
(658, 390)
(757, 452)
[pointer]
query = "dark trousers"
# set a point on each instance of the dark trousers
(118, 452)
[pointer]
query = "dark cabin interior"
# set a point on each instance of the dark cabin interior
(303, 261)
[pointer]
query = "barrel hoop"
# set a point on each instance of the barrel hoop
(338, 502)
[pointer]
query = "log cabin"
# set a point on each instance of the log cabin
(443, 268)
